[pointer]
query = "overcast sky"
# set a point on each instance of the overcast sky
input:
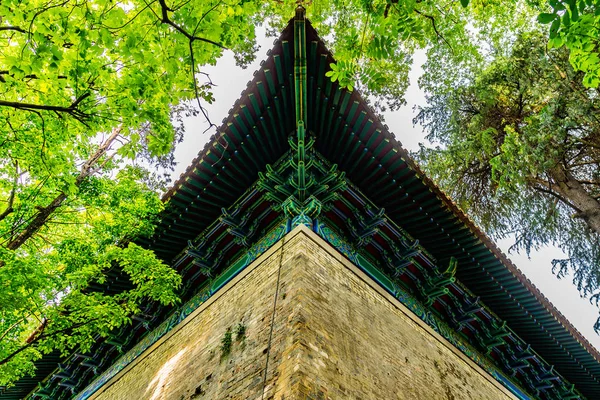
(231, 80)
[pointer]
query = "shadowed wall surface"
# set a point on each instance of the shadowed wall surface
(334, 335)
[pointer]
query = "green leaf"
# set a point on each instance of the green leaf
(571, 3)
(464, 3)
(556, 42)
(546, 18)
(574, 15)
(554, 28)
(566, 19)
(591, 81)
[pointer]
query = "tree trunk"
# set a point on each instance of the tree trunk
(588, 208)
(45, 213)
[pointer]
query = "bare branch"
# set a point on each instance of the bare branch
(210, 124)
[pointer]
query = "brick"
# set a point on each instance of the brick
(335, 336)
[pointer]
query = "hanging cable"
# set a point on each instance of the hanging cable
(273, 317)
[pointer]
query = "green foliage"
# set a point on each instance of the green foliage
(519, 151)
(91, 91)
(240, 331)
(342, 72)
(48, 279)
(226, 343)
(373, 41)
(575, 24)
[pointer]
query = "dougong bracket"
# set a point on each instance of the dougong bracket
(438, 286)
(299, 213)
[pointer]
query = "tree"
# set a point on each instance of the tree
(92, 95)
(520, 151)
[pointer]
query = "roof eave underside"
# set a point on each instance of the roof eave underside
(349, 133)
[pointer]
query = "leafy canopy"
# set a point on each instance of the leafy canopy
(575, 24)
(92, 94)
(373, 41)
(520, 151)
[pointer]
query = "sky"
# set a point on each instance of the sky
(230, 80)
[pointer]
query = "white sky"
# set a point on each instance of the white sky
(231, 80)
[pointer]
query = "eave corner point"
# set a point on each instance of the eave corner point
(300, 12)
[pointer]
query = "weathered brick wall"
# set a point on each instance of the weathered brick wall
(335, 336)
(189, 363)
(357, 342)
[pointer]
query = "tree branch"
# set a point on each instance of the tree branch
(583, 163)
(587, 207)
(72, 110)
(588, 182)
(44, 213)
(10, 328)
(210, 124)
(12, 28)
(11, 198)
(548, 188)
(31, 76)
(131, 20)
(34, 340)
(204, 16)
(166, 20)
(38, 331)
(438, 34)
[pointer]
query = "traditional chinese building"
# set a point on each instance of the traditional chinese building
(320, 262)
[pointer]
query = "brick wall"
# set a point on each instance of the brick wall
(335, 335)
